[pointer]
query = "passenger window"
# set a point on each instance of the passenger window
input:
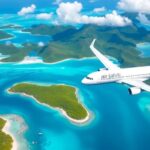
(89, 78)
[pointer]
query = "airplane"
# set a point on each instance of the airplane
(133, 77)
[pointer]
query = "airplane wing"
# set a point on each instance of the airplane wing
(107, 63)
(138, 84)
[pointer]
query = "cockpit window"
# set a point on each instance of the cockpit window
(89, 78)
(101, 69)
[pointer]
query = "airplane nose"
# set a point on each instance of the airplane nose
(84, 81)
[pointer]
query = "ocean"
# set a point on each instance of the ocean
(120, 121)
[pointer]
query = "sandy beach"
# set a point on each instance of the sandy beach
(36, 60)
(31, 60)
(6, 130)
(17, 135)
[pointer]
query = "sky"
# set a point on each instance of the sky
(13, 6)
(79, 11)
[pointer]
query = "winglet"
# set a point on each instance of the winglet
(92, 44)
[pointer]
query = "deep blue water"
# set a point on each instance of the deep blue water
(120, 121)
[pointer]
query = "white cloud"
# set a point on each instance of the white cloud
(44, 16)
(27, 10)
(143, 19)
(96, 10)
(71, 13)
(141, 6)
(41, 44)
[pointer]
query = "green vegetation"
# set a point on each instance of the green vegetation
(4, 35)
(10, 26)
(69, 42)
(43, 29)
(117, 42)
(5, 140)
(17, 54)
(57, 96)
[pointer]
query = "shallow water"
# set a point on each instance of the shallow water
(119, 121)
(144, 48)
(20, 38)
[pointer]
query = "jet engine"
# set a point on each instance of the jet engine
(134, 91)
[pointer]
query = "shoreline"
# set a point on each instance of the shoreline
(31, 60)
(50, 63)
(84, 121)
(10, 24)
(9, 38)
(10, 118)
(53, 63)
(141, 45)
(6, 130)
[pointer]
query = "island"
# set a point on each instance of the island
(10, 26)
(70, 42)
(48, 30)
(59, 97)
(6, 140)
(4, 35)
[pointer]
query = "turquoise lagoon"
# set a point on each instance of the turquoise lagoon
(19, 38)
(144, 48)
(120, 121)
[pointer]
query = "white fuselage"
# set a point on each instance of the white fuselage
(106, 76)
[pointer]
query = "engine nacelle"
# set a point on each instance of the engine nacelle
(135, 91)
